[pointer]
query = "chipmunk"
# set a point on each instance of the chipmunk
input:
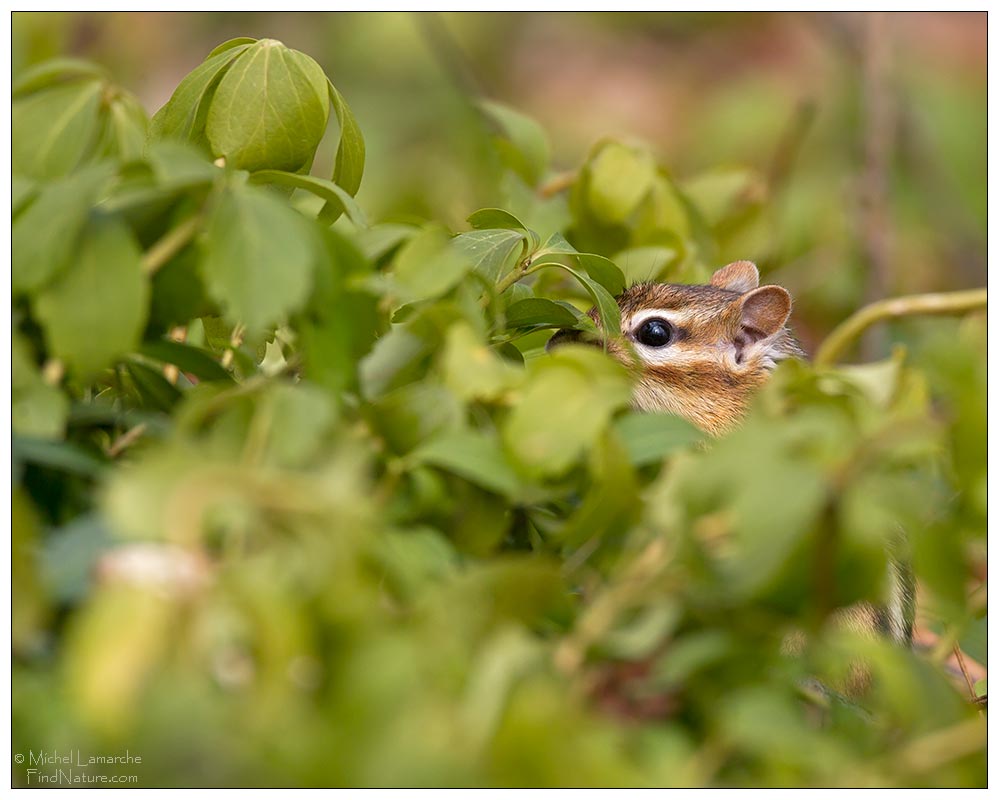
(702, 351)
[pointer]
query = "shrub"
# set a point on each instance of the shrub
(300, 500)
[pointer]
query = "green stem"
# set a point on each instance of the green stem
(171, 243)
(911, 305)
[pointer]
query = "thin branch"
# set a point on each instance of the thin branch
(940, 303)
(126, 440)
(557, 183)
(171, 243)
(964, 671)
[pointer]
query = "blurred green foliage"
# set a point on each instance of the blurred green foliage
(301, 500)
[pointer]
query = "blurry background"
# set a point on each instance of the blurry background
(864, 135)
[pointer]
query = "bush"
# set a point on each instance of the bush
(301, 500)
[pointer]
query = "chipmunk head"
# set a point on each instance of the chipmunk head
(700, 351)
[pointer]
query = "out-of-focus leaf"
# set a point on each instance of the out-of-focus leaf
(648, 438)
(524, 146)
(61, 456)
(565, 405)
(619, 179)
(95, 311)
(189, 358)
(472, 370)
(46, 235)
(156, 391)
(37, 409)
(113, 646)
(53, 130)
(427, 266)
(473, 456)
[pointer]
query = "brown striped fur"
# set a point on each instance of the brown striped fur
(728, 336)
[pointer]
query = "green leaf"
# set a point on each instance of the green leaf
(258, 257)
(564, 407)
(649, 438)
(37, 409)
(154, 389)
(610, 312)
(54, 130)
(381, 239)
(56, 71)
(472, 455)
(60, 456)
(187, 357)
(22, 192)
(96, 310)
(601, 269)
(492, 253)
(230, 44)
(472, 370)
(349, 163)
(47, 233)
(427, 266)
(269, 110)
(337, 200)
(487, 218)
(125, 128)
(185, 114)
(70, 557)
(619, 178)
(526, 149)
(539, 311)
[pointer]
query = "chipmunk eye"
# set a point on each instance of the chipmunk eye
(655, 333)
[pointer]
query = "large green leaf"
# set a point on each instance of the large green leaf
(53, 130)
(472, 455)
(258, 257)
(619, 178)
(427, 265)
(648, 438)
(269, 110)
(524, 145)
(45, 235)
(493, 253)
(186, 112)
(56, 71)
(96, 310)
(565, 406)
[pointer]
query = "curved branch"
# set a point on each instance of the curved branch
(953, 303)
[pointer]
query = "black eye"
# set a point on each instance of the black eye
(655, 333)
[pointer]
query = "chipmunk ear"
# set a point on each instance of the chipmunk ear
(763, 313)
(739, 276)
